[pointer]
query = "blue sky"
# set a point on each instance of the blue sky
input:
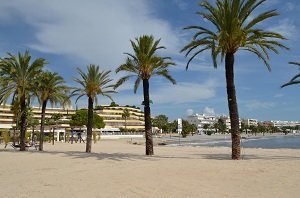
(75, 33)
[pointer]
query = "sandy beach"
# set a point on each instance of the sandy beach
(117, 168)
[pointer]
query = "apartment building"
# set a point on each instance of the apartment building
(201, 119)
(280, 123)
(7, 117)
(228, 122)
(250, 122)
(112, 117)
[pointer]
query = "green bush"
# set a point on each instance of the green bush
(46, 138)
(5, 136)
(94, 137)
(184, 133)
(27, 137)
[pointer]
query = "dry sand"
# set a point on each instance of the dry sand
(119, 169)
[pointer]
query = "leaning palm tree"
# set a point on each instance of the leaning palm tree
(17, 80)
(234, 28)
(125, 115)
(144, 64)
(50, 87)
(295, 79)
(93, 83)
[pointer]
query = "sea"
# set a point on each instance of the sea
(265, 142)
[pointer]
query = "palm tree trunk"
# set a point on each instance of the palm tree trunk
(232, 105)
(32, 134)
(14, 140)
(41, 146)
(89, 126)
(53, 135)
(147, 116)
(23, 124)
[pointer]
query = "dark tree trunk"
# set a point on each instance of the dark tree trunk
(14, 140)
(53, 135)
(41, 146)
(147, 116)
(23, 123)
(32, 134)
(89, 126)
(232, 105)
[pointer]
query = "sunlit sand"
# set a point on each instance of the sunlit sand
(117, 168)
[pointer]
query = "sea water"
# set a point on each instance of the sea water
(267, 142)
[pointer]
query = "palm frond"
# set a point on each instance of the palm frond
(233, 30)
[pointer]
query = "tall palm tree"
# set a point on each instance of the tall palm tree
(125, 115)
(50, 87)
(144, 64)
(93, 83)
(17, 80)
(233, 27)
(295, 79)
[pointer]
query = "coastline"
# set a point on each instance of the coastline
(117, 168)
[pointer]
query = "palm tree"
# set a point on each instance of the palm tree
(17, 80)
(93, 83)
(144, 64)
(234, 23)
(53, 121)
(295, 79)
(125, 115)
(32, 122)
(50, 87)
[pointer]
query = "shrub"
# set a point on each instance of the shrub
(5, 136)
(184, 133)
(27, 137)
(94, 137)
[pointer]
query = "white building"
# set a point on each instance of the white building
(280, 123)
(250, 122)
(228, 122)
(200, 120)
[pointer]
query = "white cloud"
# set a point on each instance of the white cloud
(185, 92)
(255, 104)
(181, 4)
(167, 93)
(208, 111)
(189, 112)
(92, 31)
(290, 6)
(271, 3)
(286, 28)
(278, 95)
(201, 66)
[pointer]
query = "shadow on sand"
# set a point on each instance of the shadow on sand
(247, 157)
(132, 157)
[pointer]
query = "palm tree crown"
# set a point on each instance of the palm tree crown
(295, 79)
(144, 63)
(234, 30)
(51, 87)
(17, 75)
(93, 83)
